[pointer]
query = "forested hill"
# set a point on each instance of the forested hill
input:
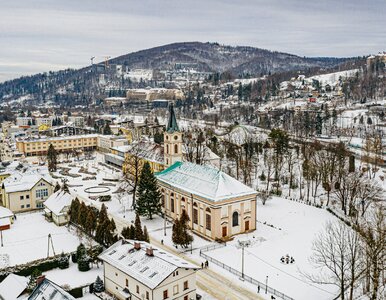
(235, 61)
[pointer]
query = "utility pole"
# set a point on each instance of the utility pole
(2, 245)
(242, 262)
(266, 284)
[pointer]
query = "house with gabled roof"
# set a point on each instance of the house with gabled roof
(57, 206)
(139, 271)
(26, 191)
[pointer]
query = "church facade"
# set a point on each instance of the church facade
(218, 205)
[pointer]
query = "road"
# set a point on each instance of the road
(211, 282)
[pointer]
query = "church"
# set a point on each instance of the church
(218, 205)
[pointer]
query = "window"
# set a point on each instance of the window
(147, 295)
(40, 194)
(167, 149)
(186, 285)
(21, 197)
(27, 206)
(195, 216)
(137, 289)
(172, 204)
(208, 222)
(175, 289)
(22, 206)
(27, 196)
(235, 219)
(175, 149)
(186, 297)
(127, 282)
(165, 294)
(176, 137)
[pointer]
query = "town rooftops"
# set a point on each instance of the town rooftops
(204, 181)
(12, 287)
(18, 182)
(49, 290)
(132, 258)
(57, 201)
(5, 212)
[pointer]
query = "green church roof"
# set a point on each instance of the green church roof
(172, 125)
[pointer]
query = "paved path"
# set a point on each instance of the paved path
(213, 283)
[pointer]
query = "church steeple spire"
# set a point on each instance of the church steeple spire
(172, 125)
(172, 140)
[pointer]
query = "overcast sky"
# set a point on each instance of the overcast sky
(43, 35)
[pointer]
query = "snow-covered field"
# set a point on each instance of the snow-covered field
(27, 239)
(295, 227)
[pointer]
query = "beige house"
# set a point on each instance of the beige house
(218, 205)
(137, 271)
(24, 192)
(57, 206)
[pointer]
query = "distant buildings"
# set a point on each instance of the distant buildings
(39, 146)
(137, 270)
(47, 289)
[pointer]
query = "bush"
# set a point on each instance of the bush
(98, 285)
(63, 261)
(105, 198)
(77, 292)
(262, 177)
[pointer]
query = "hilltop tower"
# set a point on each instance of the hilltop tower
(172, 140)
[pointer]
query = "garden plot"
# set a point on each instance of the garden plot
(27, 239)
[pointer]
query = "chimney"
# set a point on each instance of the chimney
(40, 279)
(137, 245)
(149, 251)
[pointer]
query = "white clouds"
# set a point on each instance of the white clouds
(45, 34)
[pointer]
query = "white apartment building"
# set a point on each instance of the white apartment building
(23, 121)
(138, 271)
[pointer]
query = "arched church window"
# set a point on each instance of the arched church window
(235, 219)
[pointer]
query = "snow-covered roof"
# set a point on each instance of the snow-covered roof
(204, 181)
(57, 201)
(5, 212)
(12, 286)
(19, 182)
(149, 270)
(49, 290)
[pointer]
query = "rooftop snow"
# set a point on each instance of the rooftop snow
(12, 286)
(57, 201)
(149, 270)
(204, 181)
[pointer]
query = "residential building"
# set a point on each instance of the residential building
(13, 287)
(6, 218)
(39, 146)
(77, 121)
(57, 206)
(26, 191)
(24, 121)
(138, 271)
(46, 289)
(106, 142)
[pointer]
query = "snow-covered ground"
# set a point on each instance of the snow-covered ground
(28, 238)
(295, 227)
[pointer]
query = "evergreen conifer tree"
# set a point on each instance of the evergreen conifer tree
(125, 233)
(82, 215)
(32, 279)
(149, 196)
(63, 261)
(82, 258)
(74, 208)
(52, 158)
(132, 232)
(98, 285)
(138, 233)
(146, 237)
(181, 235)
(110, 233)
(91, 221)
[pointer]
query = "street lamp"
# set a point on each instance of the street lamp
(266, 284)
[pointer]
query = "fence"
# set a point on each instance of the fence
(247, 278)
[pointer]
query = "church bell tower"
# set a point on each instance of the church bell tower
(172, 140)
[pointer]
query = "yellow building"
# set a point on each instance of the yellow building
(24, 192)
(35, 147)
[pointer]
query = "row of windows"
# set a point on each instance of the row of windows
(43, 193)
(22, 197)
(26, 206)
(175, 149)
